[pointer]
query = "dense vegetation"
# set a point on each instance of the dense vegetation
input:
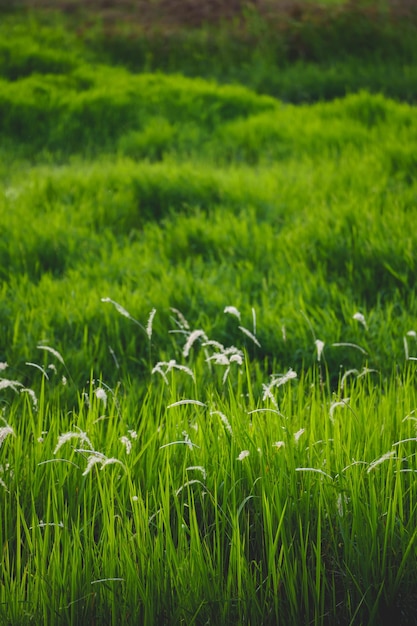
(208, 321)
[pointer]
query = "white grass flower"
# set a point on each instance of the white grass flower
(236, 358)
(197, 468)
(410, 333)
(192, 338)
(320, 346)
(32, 396)
(346, 374)
(224, 420)
(194, 481)
(359, 317)
(101, 395)
(64, 381)
(114, 357)
(219, 358)
(213, 344)
(111, 461)
(133, 434)
(367, 370)
(243, 455)
(149, 324)
(38, 367)
(123, 311)
(158, 370)
(278, 444)
(182, 322)
(118, 307)
(3, 366)
(127, 444)
(135, 498)
(13, 384)
(277, 381)
(268, 395)
(5, 431)
(187, 439)
(298, 434)
(251, 336)
(342, 403)
(43, 524)
(382, 459)
(81, 436)
(189, 443)
(52, 351)
(92, 460)
(314, 470)
(97, 457)
(225, 375)
(232, 310)
(181, 402)
(105, 580)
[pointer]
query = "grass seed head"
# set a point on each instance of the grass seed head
(5, 431)
(232, 310)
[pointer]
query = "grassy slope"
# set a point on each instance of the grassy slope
(164, 191)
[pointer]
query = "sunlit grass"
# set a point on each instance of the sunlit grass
(239, 500)
(207, 347)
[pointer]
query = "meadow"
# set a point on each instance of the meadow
(208, 324)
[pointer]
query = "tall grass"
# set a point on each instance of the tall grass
(229, 500)
(207, 348)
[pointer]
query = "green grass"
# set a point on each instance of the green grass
(167, 239)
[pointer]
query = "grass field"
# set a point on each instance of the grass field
(208, 320)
